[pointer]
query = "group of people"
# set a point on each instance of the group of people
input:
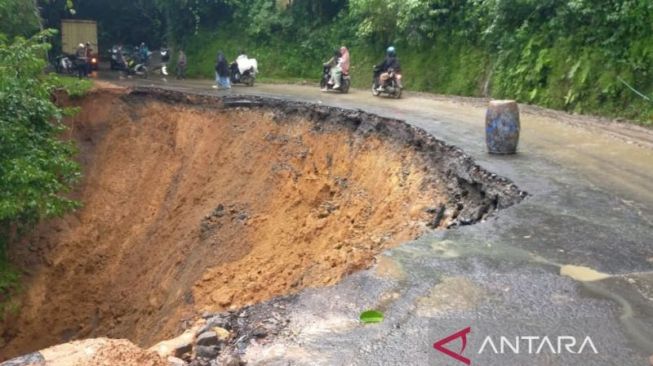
(83, 57)
(141, 55)
(339, 65)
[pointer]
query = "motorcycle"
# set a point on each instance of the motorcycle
(345, 80)
(243, 71)
(64, 65)
(116, 64)
(391, 87)
(165, 57)
(134, 68)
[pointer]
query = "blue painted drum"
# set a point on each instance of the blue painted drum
(502, 127)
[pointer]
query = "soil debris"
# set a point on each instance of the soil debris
(202, 204)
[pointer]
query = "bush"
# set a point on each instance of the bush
(36, 166)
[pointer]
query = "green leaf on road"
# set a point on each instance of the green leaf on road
(371, 317)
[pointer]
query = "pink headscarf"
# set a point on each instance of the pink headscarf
(344, 59)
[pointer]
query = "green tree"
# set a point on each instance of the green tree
(36, 166)
(19, 17)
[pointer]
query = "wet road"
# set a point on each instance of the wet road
(574, 259)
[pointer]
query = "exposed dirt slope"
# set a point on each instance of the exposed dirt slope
(189, 208)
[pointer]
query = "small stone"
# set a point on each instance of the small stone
(209, 338)
(174, 361)
(222, 333)
(32, 359)
(260, 332)
(208, 352)
(175, 347)
(218, 321)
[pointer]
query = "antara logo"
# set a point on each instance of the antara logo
(531, 345)
(439, 345)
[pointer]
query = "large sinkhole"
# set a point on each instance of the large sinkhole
(199, 203)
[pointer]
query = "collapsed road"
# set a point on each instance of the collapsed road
(574, 259)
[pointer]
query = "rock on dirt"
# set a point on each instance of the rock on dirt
(91, 352)
(209, 338)
(176, 347)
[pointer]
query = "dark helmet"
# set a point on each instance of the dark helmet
(391, 51)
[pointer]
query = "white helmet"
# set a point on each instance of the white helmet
(81, 45)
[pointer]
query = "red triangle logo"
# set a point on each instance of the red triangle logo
(439, 345)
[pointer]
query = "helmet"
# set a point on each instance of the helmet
(81, 45)
(390, 51)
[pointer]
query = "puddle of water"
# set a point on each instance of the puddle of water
(444, 249)
(453, 293)
(583, 274)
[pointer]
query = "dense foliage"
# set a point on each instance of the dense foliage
(577, 55)
(18, 17)
(36, 166)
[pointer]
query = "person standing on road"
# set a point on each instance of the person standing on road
(89, 57)
(181, 65)
(221, 72)
(81, 61)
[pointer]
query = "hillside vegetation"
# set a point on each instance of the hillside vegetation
(581, 56)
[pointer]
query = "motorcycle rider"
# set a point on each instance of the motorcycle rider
(165, 54)
(120, 58)
(344, 66)
(144, 53)
(335, 68)
(89, 57)
(240, 64)
(81, 61)
(390, 62)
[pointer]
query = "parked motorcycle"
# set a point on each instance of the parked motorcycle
(391, 87)
(345, 80)
(64, 65)
(243, 71)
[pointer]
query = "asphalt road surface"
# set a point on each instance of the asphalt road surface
(574, 261)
